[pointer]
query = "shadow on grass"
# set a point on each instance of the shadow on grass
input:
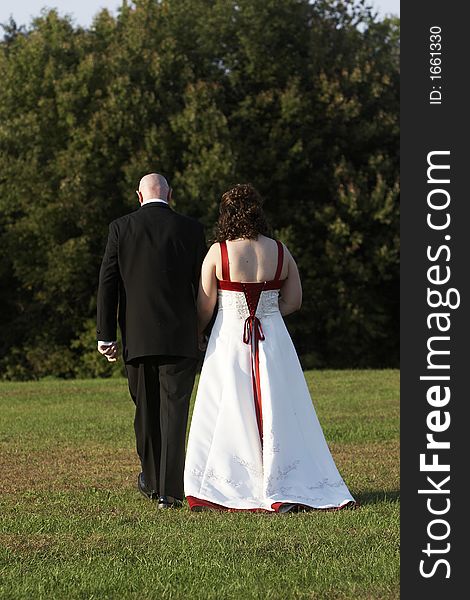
(377, 496)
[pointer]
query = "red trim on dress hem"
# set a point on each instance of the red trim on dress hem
(199, 503)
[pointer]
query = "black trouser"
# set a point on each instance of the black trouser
(160, 387)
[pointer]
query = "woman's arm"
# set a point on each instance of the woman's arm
(207, 295)
(290, 298)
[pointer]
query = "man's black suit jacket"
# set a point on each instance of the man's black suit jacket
(150, 273)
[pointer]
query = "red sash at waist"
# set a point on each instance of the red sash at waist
(238, 286)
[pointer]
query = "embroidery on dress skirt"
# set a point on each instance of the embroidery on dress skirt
(211, 474)
(270, 445)
(273, 488)
(248, 465)
(282, 474)
(271, 485)
(324, 482)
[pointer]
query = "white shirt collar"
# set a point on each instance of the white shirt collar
(154, 200)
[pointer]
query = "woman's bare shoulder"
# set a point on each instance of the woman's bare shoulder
(275, 241)
(212, 253)
(215, 247)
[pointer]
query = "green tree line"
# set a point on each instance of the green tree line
(299, 98)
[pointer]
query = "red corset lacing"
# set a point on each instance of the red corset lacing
(252, 330)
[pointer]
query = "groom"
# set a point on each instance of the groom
(149, 277)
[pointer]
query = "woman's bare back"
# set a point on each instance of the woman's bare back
(249, 261)
(252, 260)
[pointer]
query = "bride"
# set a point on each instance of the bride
(255, 442)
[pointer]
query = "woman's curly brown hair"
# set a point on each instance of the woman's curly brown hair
(241, 214)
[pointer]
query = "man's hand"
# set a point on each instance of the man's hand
(109, 349)
(202, 342)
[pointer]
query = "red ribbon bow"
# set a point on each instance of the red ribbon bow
(253, 324)
(252, 334)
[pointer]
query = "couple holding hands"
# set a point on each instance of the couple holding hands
(255, 442)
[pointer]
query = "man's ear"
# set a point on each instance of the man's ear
(139, 194)
(168, 197)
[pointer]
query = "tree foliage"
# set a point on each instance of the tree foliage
(300, 98)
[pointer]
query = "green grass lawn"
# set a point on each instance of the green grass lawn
(74, 526)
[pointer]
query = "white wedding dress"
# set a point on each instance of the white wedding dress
(255, 442)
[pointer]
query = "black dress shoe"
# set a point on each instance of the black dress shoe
(169, 502)
(144, 490)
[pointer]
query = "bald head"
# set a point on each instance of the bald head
(154, 185)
